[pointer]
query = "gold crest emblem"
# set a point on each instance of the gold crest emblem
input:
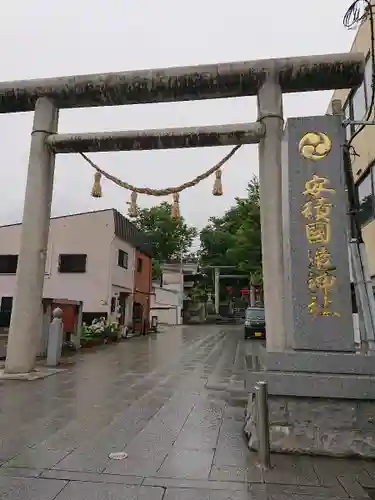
(315, 146)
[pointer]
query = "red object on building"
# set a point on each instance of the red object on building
(229, 290)
(69, 316)
(245, 291)
(142, 290)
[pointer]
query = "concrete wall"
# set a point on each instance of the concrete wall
(91, 234)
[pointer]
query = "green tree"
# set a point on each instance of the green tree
(171, 238)
(235, 238)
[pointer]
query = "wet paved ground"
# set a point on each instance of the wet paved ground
(150, 396)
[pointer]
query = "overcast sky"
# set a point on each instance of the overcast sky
(45, 39)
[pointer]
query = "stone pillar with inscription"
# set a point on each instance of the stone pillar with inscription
(321, 393)
(318, 298)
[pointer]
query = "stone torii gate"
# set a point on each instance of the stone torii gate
(268, 79)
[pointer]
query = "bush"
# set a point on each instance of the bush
(100, 329)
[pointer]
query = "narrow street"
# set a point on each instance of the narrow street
(158, 399)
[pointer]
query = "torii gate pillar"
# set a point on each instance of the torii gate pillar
(270, 111)
(26, 317)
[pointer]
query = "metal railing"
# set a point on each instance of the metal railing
(262, 424)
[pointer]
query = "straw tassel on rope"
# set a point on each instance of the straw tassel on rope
(97, 188)
(176, 206)
(132, 212)
(218, 187)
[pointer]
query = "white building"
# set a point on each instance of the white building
(90, 258)
(166, 305)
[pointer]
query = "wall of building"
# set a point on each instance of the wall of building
(356, 104)
(165, 304)
(143, 281)
(122, 278)
(89, 234)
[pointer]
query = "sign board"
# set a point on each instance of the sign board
(315, 222)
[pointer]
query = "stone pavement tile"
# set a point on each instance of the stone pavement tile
(136, 465)
(194, 484)
(12, 488)
(187, 464)
(11, 445)
(151, 441)
(208, 414)
(281, 496)
(96, 491)
(369, 465)
(93, 456)
(232, 456)
(83, 461)
(235, 413)
(20, 472)
(196, 438)
(347, 473)
(291, 469)
(90, 477)
(289, 491)
(351, 486)
(202, 494)
(231, 473)
(36, 458)
(68, 438)
(232, 449)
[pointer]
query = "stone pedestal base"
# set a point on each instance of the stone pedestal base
(317, 426)
(36, 374)
(319, 403)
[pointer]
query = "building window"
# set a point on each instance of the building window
(359, 100)
(8, 264)
(366, 198)
(6, 304)
(122, 259)
(359, 104)
(139, 265)
(354, 299)
(72, 263)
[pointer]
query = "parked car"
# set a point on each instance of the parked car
(255, 323)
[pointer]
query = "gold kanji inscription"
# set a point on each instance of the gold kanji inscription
(326, 305)
(325, 281)
(320, 211)
(307, 210)
(323, 210)
(313, 306)
(322, 258)
(318, 233)
(316, 186)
